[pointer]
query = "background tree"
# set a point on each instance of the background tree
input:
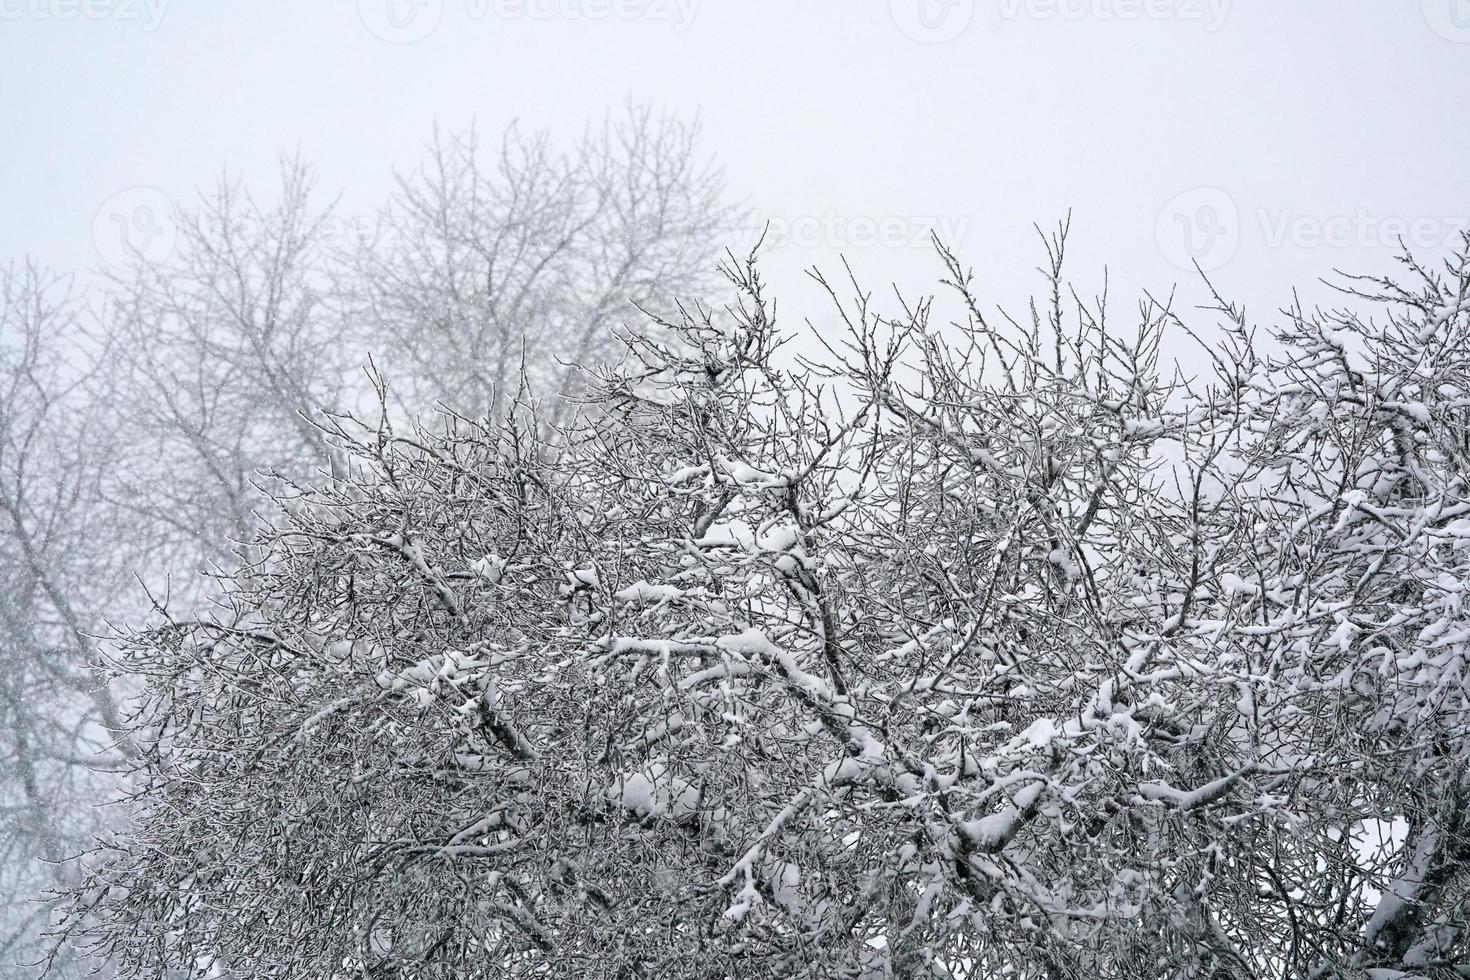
(480, 268)
(269, 308)
(138, 451)
(227, 351)
(62, 559)
(997, 651)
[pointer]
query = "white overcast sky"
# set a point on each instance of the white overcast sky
(1287, 137)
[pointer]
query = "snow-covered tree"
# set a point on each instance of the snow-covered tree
(967, 649)
(140, 419)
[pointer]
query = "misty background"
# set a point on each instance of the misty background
(1271, 141)
(187, 173)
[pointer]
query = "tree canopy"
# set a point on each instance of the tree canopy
(963, 648)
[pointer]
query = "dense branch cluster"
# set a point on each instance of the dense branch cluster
(964, 650)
